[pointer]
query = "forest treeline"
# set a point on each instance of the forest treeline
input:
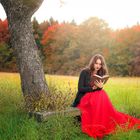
(65, 48)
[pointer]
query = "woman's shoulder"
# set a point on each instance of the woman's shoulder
(85, 71)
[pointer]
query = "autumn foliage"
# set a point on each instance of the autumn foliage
(65, 48)
(4, 33)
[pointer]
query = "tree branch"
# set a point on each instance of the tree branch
(32, 5)
(25, 7)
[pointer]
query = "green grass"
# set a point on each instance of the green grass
(15, 123)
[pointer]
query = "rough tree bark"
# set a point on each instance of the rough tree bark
(29, 64)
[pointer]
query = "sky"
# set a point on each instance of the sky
(117, 13)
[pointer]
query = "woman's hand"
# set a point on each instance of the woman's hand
(99, 84)
(94, 87)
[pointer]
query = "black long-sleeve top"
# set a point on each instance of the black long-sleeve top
(83, 86)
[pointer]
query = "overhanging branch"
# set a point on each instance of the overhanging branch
(25, 7)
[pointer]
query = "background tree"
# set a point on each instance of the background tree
(124, 54)
(75, 44)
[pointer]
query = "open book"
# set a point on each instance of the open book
(98, 78)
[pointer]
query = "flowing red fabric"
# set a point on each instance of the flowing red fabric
(100, 118)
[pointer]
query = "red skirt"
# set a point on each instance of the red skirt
(100, 118)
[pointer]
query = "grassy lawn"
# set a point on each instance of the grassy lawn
(16, 125)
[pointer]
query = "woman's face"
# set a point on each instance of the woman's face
(97, 65)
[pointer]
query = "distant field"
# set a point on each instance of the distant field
(14, 123)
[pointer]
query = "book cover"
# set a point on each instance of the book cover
(99, 78)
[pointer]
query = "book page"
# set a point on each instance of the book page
(99, 78)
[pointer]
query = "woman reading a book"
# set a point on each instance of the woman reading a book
(98, 116)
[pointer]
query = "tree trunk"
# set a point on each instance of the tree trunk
(29, 64)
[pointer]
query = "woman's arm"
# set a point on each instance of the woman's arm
(81, 84)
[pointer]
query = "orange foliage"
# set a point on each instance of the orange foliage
(126, 34)
(136, 28)
(49, 33)
(4, 32)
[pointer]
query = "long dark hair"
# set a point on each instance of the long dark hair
(103, 70)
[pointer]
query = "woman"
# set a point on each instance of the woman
(99, 117)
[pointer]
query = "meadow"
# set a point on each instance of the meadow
(15, 123)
